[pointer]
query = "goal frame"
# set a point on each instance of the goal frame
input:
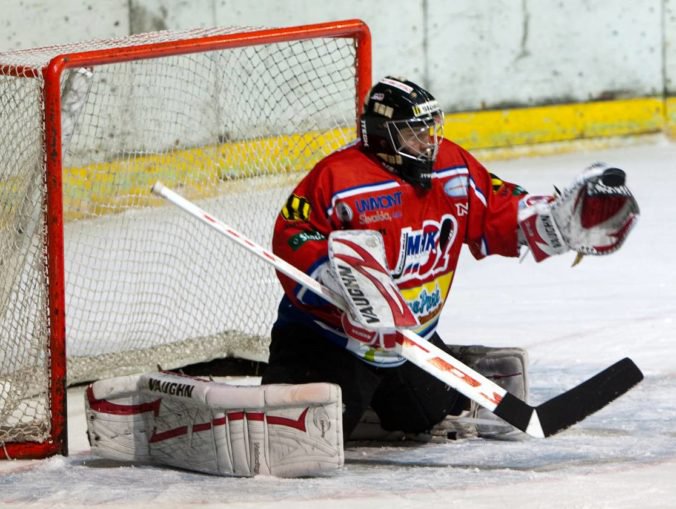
(57, 443)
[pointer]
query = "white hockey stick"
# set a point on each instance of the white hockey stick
(541, 421)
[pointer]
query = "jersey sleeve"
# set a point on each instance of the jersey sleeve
(493, 206)
(301, 234)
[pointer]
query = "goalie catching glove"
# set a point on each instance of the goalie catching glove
(594, 215)
(357, 270)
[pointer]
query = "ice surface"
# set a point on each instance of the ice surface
(573, 321)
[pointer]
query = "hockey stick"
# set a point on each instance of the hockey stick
(539, 421)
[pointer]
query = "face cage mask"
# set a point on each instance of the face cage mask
(417, 139)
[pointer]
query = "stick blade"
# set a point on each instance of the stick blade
(587, 398)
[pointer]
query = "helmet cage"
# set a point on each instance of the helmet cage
(417, 139)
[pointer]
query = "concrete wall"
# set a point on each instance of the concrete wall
(472, 54)
(528, 52)
(517, 58)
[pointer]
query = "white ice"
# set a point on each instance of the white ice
(573, 321)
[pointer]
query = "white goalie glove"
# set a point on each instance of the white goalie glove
(593, 216)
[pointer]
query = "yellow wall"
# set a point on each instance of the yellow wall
(565, 122)
(112, 187)
(670, 116)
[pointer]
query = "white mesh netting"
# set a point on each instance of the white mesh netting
(146, 285)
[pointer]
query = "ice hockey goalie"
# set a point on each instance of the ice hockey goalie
(217, 428)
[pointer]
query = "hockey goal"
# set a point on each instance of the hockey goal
(94, 265)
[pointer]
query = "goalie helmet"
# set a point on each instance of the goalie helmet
(402, 124)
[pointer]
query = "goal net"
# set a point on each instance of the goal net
(94, 265)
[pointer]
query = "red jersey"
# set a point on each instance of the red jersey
(423, 230)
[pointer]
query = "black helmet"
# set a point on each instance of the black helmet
(402, 124)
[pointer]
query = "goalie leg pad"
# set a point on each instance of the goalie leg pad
(216, 428)
(507, 367)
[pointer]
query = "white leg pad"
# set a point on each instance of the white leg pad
(507, 367)
(216, 428)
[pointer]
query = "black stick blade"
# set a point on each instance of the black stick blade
(590, 396)
(517, 413)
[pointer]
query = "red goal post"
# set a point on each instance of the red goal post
(227, 115)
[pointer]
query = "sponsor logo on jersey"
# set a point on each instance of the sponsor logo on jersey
(301, 238)
(378, 217)
(427, 300)
(496, 182)
(344, 212)
(372, 203)
(461, 209)
(500, 186)
(456, 187)
(425, 252)
(296, 208)
(172, 388)
(346, 195)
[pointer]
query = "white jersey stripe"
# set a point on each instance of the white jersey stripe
(449, 172)
(445, 173)
(477, 192)
(353, 191)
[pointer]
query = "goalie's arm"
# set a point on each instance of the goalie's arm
(300, 235)
(492, 212)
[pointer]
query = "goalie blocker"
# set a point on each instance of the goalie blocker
(216, 428)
